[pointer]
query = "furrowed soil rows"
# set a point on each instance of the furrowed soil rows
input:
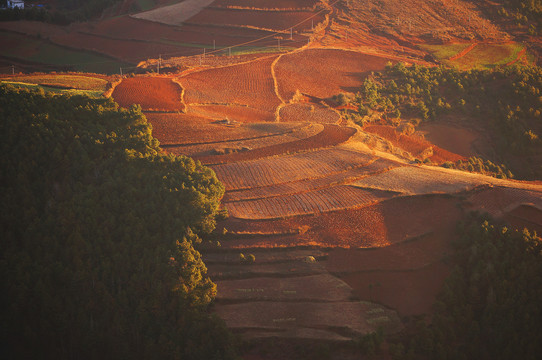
(323, 287)
(288, 269)
(183, 129)
(248, 84)
(315, 113)
(387, 222)
(357, 317)
(336, 70)
(329, 199)
(152, 93)
(204, 151)
(413, 180)
(272, 171)
(269, 20)
(330, 136)
(343, 177)
(238, 113)
(267, 4)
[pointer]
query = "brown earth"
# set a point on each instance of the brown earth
(152, 93)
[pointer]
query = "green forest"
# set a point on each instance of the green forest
(99, 229)
(505, 102)
(491, 305)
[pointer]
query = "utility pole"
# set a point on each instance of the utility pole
(159, 63)
(12, 69)
(214, 45)
(279, 43)
(291, 34)
(204, 53)
(120, 72)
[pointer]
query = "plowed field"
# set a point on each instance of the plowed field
(330, 136)
(152, 93)
(249, 84)
(271, 171)
(269, 20)
(415, 145)
(335, 70)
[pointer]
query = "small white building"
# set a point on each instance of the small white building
(12, 4)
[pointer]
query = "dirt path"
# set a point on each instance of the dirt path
(520, 55)
(463, 52)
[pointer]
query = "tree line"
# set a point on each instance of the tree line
(99, 234)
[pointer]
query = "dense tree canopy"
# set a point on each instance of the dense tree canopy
(98, 232)
(491, 305)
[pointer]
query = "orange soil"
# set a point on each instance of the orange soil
(378, 225)
(282, 20)
(347, 176)
(410, 292)
(315, 113)
(179, 129)
(458, 140)
(497, 201)
(248, 84)
(152, 93)
(267, 4)
(130, 28)
(243, 114)
(415, 145)
(335, 70)
(330, 136)
(290, 168)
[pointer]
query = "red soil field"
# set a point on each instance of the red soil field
(273, 20)
(268, 4)
(129, 28)
(455, 139)
(330, 136)
(497, 201)
(178, 129)
(152, 93)
(315, 113)
(313, 202)
(322, 287)
(289, 168)
(410, 292)
(243, 114)
(131, 51)
(244, 84)
(336, 70)
(251, 144)
(344, 177)
(388, 222)
(415, 145)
